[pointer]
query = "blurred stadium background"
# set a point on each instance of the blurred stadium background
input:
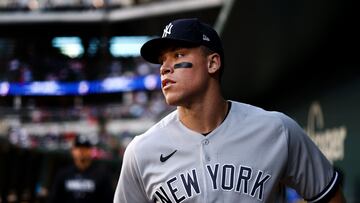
(70, 67)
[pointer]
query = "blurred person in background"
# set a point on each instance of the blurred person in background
(83, 181)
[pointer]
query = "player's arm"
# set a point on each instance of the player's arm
(130, 186)
(308, 171)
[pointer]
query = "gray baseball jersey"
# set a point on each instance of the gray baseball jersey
(250, 157)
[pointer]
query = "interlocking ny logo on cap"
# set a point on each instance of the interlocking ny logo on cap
(167, 30)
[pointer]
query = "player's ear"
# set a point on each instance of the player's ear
(214, 63)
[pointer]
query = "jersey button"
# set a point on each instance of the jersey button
(207, 158)
(205, 142)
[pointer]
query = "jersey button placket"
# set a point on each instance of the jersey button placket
(205, 143)
(206, 159)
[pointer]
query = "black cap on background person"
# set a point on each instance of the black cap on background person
(82, 141)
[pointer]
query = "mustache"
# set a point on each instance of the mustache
(183, 65)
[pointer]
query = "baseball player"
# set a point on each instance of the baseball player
(211, 149)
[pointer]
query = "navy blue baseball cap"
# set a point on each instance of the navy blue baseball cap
(183, 33)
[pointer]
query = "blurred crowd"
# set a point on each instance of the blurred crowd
(64, 5)
(64, 69)
(28, 60)
(35, 59)
(35, 142)
(92, 120)
(38, 140)
(36, 132)
(31, 152)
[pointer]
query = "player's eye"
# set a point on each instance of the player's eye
(179, 55)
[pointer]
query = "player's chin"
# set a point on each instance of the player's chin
(172, 100)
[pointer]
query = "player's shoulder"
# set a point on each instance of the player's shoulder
(155, 133)
(160, 127)
(260, 115)
(164, 123)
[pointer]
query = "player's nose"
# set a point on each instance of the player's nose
(166, 68)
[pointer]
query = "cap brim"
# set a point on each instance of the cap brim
(152, 49)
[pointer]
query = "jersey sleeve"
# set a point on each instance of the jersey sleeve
(130, 187)
(308, 171)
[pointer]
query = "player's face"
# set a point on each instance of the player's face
(184, 75)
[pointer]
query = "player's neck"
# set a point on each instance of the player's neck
(205, 116)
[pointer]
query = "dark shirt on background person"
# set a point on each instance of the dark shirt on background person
(84, 181)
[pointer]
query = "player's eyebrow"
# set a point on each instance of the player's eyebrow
(169, 49)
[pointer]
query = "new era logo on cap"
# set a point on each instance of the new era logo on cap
(205, 38)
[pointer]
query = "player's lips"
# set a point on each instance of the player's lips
(166, 83)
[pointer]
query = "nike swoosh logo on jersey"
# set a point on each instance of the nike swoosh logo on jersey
(165, 158)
